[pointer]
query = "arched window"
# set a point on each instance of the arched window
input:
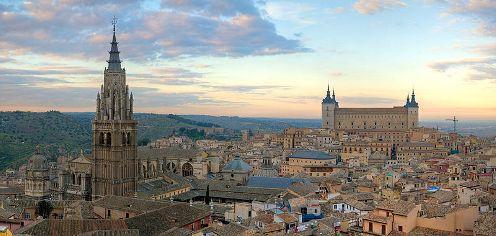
(101, 139)
(128, 138)
(73, 178)
(124, 136)
(109, 139)
(187, 169)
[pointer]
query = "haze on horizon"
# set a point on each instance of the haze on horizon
(270, 58)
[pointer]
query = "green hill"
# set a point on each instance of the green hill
(58, 132)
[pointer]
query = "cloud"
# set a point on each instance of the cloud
(481, 68)
(296, 12)
(48, 70)
(152, 98)
(371, 7)
(442, 66)
(170, 75)
(13, 95)
(336, 11)
(484, 11)
(75, 29)
(485, 49)
(54, 98)
(369, 100)
(23, 80)
(245, 88)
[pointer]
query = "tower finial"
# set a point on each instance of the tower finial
(328, 93)
(114, 22)
(114, 63)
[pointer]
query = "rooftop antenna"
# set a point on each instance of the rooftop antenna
(454, 120)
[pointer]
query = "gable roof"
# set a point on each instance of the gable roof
(70, 227)
(164, 219)
(311, 154)
(274, 182)
(397, 207)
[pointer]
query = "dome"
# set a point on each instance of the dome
(237, 165)
(37, 161)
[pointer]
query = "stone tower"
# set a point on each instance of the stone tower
(37, 181)
(114, 133)
(329, 106)
(412, 109)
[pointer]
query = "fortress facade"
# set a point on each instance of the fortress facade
(381, 119)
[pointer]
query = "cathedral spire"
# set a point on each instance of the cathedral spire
(328, 91)
(114, 63)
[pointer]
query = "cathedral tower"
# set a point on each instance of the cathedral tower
(114, 133)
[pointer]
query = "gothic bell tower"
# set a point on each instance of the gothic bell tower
(114, 133)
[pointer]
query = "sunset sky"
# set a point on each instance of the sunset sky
(271, 58)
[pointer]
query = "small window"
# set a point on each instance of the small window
(371, 227)
(400, 228)
(127, 215)
(383, 229)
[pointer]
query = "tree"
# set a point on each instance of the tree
(44, 208)
(207, 195)
(144, 142)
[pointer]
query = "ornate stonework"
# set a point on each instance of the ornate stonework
(114, 170)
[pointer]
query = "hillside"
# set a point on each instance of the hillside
(58, 132)
(255, 124)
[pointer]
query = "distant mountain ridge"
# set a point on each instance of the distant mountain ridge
(20, 132)
(466, 127)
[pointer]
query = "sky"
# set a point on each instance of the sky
(271, 58)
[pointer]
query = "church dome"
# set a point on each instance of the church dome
(37, 161)
(237, 165)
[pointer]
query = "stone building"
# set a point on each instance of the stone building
(114, 133)
(153, 162)
(75, 179)
(37, 183)
(236, 170)
(396, 118)
(309, 162)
